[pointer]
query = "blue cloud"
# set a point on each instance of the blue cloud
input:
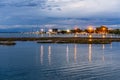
(61, 12)
(22, 3)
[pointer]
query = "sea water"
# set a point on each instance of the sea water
(36, 61)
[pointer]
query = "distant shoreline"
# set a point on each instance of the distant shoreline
(80, 40)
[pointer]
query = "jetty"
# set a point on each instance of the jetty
(9, 43)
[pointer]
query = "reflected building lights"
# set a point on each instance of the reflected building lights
(75, 35)
(103, 46)
(103, 57)
(103, 36)
(49, 55)
(75, 53)
(90, 39)
(41, 54)
(67, 54)
(90, 36)
(68, 30)
(111, 45)
(90, 53)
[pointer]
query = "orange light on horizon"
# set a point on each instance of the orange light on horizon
(90, 28)
(103, 29)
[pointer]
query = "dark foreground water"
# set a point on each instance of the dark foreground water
(32, 61)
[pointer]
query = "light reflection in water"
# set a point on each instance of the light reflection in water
(90, 53)
(103, 46)
(49, 49)
(90, 39)
(75, 53)
(67, 54)
(103, 57)
(41, 54)
(49, 55)
(111, 45)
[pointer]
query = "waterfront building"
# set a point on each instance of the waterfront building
(102, 30)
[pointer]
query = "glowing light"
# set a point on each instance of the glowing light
(103, 36)
(90, 39)
(42, 30)
(68, 30)
(75, 35)
(67, 54)
(75, 53)
(103, 46)
(103, 57)
(90, 53)
(90, 29)
(49, 55)
(50, 30)
(103, 29)
(90, 36)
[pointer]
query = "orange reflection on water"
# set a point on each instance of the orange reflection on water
(75, 53)
(90, 53)
(103, 57)
(67, 54)
(49, 55)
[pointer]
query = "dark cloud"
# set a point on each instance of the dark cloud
(22, 3)
(61, 12)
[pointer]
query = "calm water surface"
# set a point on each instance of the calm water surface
(33, 61)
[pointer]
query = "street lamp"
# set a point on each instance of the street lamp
(50, 30)
(103, 30)
(90, 30)
(42, 30)
(68, 31)
(90, 36)
(103, 36)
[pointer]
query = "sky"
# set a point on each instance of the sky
(59, 12)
